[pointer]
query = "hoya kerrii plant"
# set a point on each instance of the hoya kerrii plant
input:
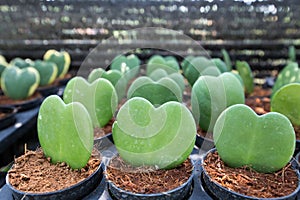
(199, 66)
(211, 95)
(289, 74)
(99, 98)
(114, 76)
(65, 132)
(19, 83)
(169, 64)
(245, 73)
(161, 73)
(128, 65)
(3, 65)
(21, 63)
(47, 71)
(162, 136)
(286, 101)
(265, 143)
(292, 53)
(61, 58)
(226, 59)
(157, 92)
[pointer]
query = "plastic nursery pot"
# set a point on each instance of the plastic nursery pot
(22, 105)
(221, 192)
(204, 143)
(8, 117)
(77, 191)
(48, 90)
(297, 148)
(181, 192)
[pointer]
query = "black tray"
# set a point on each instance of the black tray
(10, 118)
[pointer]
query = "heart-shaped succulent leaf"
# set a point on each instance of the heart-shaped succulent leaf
(21, 63)
(287, 101)
(200, 66)
(47, 71)
(61, 58)
(159, 62)
(158, 92)
(227, 59)
(163, 137)
(158, 74)
(65, 132)
(129, 65)
(99, 98)
(114, 76)
(221, 65)
(19, 83)
(265, 143)
(3, 65)
(211, 95)
(245, 72)
(289, 74)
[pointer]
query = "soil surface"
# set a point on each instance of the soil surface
(260, 105)
(249, 182)
(100, 132)
(32, 172)
(4, 100)
(146, 180)
(261, 92)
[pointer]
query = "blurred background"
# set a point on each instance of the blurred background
(259, 32)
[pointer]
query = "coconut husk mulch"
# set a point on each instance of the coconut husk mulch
(100, 132)
(246, 181)
(147, 180)
(33, 173)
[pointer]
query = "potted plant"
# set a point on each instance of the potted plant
(62, 60)
(157, 92)
(156, 139)
(210, 96)
(19, 86)
(21, 63)
(169, 64)
(99, 98)
(252, 155)
(129, 65)
(286, 101)
(64, 167)
(48, 73)
(114, 76)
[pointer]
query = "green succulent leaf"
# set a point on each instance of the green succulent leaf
(61, 58)
(289, 74)
(114, 76)
(211, 95)
(21, 63)
(221, 65)
(65, 132)
(47, 71)
(292, 54)
(19, 83)
(227, 59)
(186, 62)
(144, 135)
(265, 143)
(200, 66)
(158, 92)
(159, 62)
(99, 98)
(129, 65)
(158, 74)
(287, 102)
(246, 73)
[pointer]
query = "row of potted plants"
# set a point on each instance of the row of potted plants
(154, 132)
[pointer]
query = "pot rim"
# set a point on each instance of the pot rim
(294, 193)
(190, 179)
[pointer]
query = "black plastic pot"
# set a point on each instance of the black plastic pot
(77, 191)
(223, 193)
(204, 143)
(27, 104)
(181, 192)
(297, 148)
(10, 117)
(48, 90)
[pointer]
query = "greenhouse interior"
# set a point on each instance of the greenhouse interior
(149, 99)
